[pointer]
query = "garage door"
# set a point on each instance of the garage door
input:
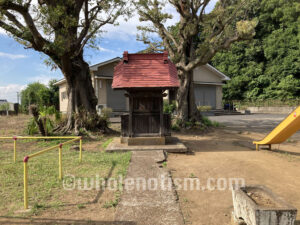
(115, 98)
(205, 95)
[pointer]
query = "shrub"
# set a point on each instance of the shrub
(207, 122)
(189, 124)
(42, 120)
(90, 122)
(175, 127)
(106, 112)
(203, 108)
(32, 127)
(169, 108)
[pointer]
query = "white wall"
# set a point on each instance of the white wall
(202, 74)
(63, 97)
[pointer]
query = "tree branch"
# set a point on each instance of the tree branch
(15, 32)
(110, 20)
(14, 20)
(39, 41)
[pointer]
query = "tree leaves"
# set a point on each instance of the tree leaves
(271, 62)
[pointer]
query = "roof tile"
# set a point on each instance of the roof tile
(145, 70)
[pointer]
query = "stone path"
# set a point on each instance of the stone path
(149, 207)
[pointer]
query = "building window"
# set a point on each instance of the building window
(64, 95)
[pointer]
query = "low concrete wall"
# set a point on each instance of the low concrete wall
(258, 205)
(275, 110)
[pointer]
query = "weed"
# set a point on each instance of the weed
(107, 142)
(192, 175)
(164, 164)
(113, 203)
(81, 206)
(185, 200)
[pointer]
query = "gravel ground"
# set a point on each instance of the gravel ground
(261, 123)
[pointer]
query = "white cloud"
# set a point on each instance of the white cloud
(12, 56)
(43, 79)
(9, 92)
(2, 32)
(127, 29)
(44, 74)
(105, 50)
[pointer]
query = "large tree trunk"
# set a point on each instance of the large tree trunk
(186, 105)
(80, 90)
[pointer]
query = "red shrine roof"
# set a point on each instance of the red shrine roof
(145, 70)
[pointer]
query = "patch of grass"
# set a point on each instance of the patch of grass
(113, 203)
(81, 206)
(37, 207)
(106, 143)
(209, 123)
(44, 188)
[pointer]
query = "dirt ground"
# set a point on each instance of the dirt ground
(225, 152)
(228, 153)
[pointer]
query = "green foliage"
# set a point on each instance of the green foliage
(32, 127)
(198, 32)
(169, 108)
(207, 122)
(90, 122)
(204, 108)
(189, 124)
(40, 95)
(4, 107)
(175, 127)
(106, 143)
(269, 66)
(53, 94)
(45, 116)
(48, 116)
(106, 112)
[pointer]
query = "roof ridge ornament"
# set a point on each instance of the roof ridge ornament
(165, 57)
(125, 57)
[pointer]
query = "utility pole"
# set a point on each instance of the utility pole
(18, 96)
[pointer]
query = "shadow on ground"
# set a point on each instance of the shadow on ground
(21, 220)
(99, 194)
(284, 152)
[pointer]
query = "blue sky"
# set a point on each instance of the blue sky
(20, 66)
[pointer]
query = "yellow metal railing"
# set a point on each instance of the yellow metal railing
(15, 138)
(60, 173)
(26, 158)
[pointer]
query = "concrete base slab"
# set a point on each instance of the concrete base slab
(172, 145)
(143, 140)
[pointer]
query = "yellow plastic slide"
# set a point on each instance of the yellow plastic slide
(289, 126)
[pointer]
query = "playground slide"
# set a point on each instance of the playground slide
(289, 126)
